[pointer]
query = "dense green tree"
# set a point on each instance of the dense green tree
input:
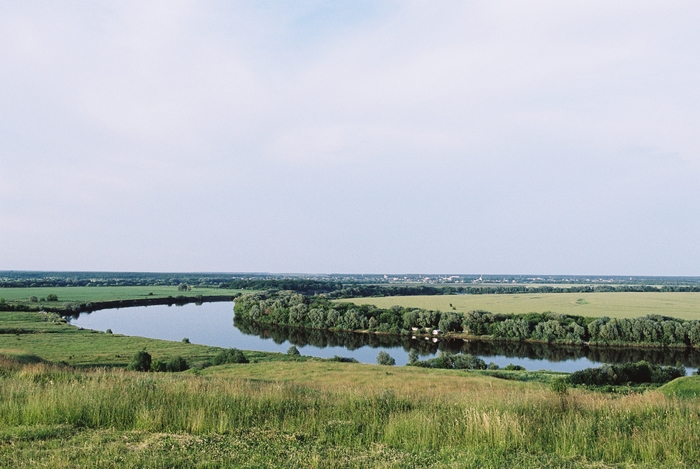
(384, 358)
(140, 362)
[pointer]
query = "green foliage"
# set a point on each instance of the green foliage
(560, 386)
(337, 358)
(512, 367)
(185, 340)
(33, 299)
(626, 374)
(51, 297)
(159, 366)
(232, 355)
(108, 331)
(448, 361)
(450, 322)
(294, 309)
(140, 362)
(176, 364)
(293, 351)
(383, 358)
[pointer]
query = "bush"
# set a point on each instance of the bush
(293, 351)
(108, 331)
(2, 301)
(512, 367)
(232, 355)
(626, 373)
(185, 340)
(158, 366)
(468, 362)
(384, 358)
(33, 299)
(560, 386)
(140, 362)
(176, 364)
(201, 365)
(51, 297)
(337, 358)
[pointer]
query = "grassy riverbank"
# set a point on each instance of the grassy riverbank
(48, 336)
(353, 416)
(615, 304)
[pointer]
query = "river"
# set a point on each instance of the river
(213, 324)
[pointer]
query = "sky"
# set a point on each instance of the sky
(355, 136)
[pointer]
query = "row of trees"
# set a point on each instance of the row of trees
(338, 290)
(317, 312)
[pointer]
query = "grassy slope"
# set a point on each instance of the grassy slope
(687, 387)
(679, 305)
(320, 414)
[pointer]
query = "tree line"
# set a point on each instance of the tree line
(318, 312)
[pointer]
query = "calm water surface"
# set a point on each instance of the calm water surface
(213, 324)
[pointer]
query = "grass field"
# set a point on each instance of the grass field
(93, 294)
(617, 304)
(330, 415)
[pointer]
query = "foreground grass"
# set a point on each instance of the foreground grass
(329, 415)
(613, 304)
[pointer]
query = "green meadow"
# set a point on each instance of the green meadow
(310, 413)
(94, 294)
(614, 304)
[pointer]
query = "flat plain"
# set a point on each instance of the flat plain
(91, 294)
(615, 304)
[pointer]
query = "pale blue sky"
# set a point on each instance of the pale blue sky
(464, 137)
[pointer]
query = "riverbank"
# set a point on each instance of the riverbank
(300, 414)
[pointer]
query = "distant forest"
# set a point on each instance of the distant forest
(354, 286)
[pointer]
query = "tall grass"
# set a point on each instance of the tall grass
(639, 428)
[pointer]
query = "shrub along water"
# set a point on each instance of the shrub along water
(318, 312)
(446, 360)
(626, 374)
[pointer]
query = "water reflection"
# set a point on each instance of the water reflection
(485, 349)
(212, 324)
